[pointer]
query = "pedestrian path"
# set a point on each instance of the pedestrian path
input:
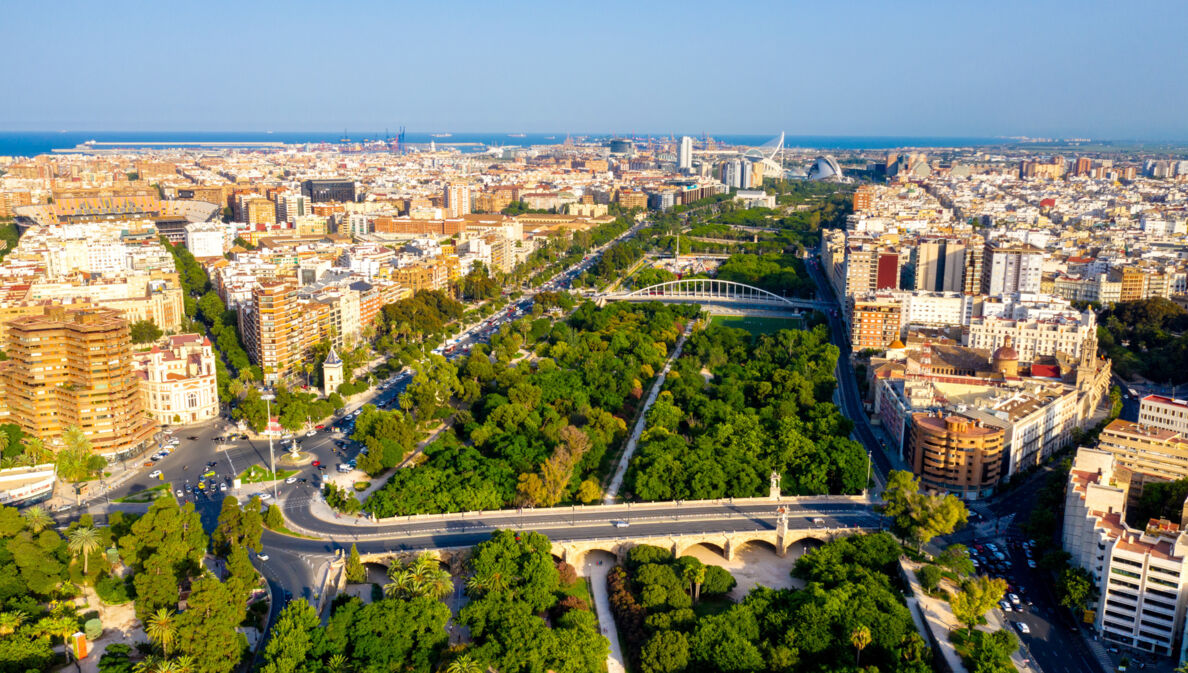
(612, 490)
(615, 662)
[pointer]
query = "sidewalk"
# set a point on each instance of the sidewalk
(940, 622)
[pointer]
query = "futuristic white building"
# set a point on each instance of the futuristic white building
(825, 168)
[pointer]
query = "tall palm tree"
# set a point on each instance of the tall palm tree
(337, 663)
(10, 622)
(161, 628)
(860, 638)
(464, 663)
(402, 585)
(36, 518)
(84, 542)
(60, 626)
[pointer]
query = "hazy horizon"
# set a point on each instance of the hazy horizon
(863, 69)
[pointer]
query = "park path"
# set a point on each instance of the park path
(612, 490)
(596, 573)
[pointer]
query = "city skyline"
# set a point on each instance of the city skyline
(870, 70)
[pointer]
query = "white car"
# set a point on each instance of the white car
(262, 557)
(1023, 628)
(155, 474)
(1006, 607)
(1014, 598)
(180, 494)
(266, 496)
(291, 480)
(312, 433)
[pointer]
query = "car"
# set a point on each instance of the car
(311, 433)
(180, 494)
(621, 524)
(316, 463)
(222, 487)
(266, 496)
(150, 463)
(1014, 599)
(322, 467)
(155, 474)
(262, 557)
(319, 427)
(192, 438)
(1006, 607)
(291, 480)
(168, 431)
(1023, 628)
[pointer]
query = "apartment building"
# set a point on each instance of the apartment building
(74, 368)
(457, 199)
(1150, 453)
(955, 454)
(875, 322)
(1165, 413)
(1007, 268)
(1141, 574)
(177, 380)
(271, 329)
(205, 239)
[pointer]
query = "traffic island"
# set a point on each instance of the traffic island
(299, 459)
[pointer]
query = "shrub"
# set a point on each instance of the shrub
(567, 574)
(113, 590)
(93, 628)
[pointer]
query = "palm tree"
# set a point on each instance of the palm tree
(860, 638)
(10, 622)
(695, 575)
(464, 664)
(494, 581)
(337, 663)
(83, 541)
(161, 628)
(402, 585)
(61, 626)
(37, 519)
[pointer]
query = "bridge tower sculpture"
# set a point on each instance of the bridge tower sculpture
(774, 491)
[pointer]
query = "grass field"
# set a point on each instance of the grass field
(757, 325)
(147, 495)
(257, 474)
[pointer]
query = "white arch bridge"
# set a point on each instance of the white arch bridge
(710, 290)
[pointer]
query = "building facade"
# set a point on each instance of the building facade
(177, 380)
(1140, 574)
(954, 454)
(74, 368)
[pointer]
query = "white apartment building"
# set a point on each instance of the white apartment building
(685, 154)
(1033, 338)
(1165, 413)
(205, 239)
(1141, 575)
(1011, 268)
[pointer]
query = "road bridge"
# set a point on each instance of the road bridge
(712, 290)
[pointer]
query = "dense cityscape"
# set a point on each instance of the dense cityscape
(646, 339)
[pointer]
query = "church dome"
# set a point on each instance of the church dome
(1006, 352)
(895, 345)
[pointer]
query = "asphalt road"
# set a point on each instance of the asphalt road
(851, 399)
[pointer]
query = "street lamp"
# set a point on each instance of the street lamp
(268, 397)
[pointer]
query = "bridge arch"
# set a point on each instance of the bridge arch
(709, 288)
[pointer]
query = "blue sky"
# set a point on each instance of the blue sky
(1097, 69)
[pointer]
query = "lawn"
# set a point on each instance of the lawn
(758, 325)
(257, 474)
(147, 495)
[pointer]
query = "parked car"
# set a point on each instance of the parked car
(155, 474)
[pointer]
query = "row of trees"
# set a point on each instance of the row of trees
(203, 305)
(533, 429)
(736, 408)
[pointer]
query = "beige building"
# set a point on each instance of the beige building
(1150, 453)
(955, 454)
(177, 380)
(74, 368)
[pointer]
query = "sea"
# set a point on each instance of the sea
(32, 143)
